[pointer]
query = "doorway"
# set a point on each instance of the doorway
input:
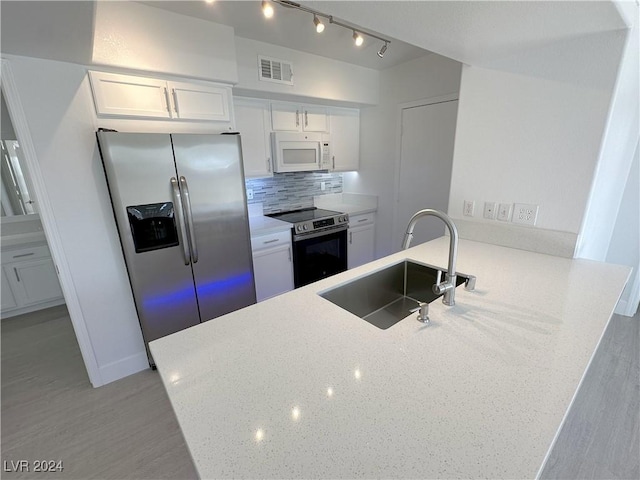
(424, 167)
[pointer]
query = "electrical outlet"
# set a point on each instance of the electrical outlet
(504, 212)
(490, 210)
(525, 214)
(323, 186)
(469, 208)
(249, 194)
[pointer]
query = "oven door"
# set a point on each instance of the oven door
(319, 255)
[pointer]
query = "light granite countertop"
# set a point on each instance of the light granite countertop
(261, 225)
(350, 203)
(296, 387)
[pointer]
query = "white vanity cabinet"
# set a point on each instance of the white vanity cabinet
(29, 280)
(291, 117)
(345, 139)
(272, 264)
(252, 121)
(117, 95)
(361, 239)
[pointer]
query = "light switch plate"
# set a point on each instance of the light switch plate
(525, 214)
(504, 212)
(469, 207)
(489, 210)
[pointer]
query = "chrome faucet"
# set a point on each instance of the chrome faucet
(448, 287)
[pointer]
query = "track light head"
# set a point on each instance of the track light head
(319, 25)
(267, 9)
(382, 50)
(357, 38)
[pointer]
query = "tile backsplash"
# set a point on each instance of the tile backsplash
(290, 191)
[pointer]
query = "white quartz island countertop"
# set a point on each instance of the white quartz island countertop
(296, 387)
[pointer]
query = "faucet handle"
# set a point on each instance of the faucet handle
(423, 315)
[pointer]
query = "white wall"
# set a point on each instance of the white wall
(429, 76)
(135, 36)
(616, 154)
(532, 135)
(315, 78)
(56, 99)
(625, 240)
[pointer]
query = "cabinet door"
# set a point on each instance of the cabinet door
(127, 95)
(252, 121)
(314, 119)
(192, 101)
(273, 271)
(8, 300)
(360, 249)
(35, 281)
(286, 117)
(345, 139)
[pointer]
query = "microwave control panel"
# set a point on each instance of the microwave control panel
(326, 154)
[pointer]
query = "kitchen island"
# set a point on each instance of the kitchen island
(296, 387)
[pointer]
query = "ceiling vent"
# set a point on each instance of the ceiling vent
(274, 70)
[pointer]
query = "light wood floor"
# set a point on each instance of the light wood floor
(123, 430)
(127, 430)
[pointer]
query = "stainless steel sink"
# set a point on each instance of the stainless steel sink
(385, 297)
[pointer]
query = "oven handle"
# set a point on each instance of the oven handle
(297, 238)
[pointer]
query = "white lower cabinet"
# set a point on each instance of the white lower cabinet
(8, 300)
(361, 240)
(272, 264)
(29, 281)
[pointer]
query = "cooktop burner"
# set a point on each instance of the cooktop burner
(307, 220)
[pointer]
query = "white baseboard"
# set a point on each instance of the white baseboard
(32, 308)
(123, 368)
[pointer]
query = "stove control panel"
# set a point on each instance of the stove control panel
(321, 224)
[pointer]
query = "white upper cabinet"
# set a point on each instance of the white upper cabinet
(126, 95)
(118, 95)
(291, 117)
(345, 138)
(252, 121)
(192, 101)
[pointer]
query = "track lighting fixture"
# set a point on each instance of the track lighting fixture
(267, 8)
(357, 38)
(382, 50)
(319, 25)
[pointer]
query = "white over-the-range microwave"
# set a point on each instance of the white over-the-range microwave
(300, 152)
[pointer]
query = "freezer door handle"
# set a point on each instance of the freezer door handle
(182, 231)
(192, 234)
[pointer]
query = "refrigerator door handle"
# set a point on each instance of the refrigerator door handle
(182, 231)
(192, 233)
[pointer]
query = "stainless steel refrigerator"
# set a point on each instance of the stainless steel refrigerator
(179, 204)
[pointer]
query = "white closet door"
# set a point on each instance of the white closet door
(426, 158)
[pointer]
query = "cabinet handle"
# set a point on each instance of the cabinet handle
(334, 162)
(17, 276)
(23, 255)
(351, 238)
(269, 165)
(167, 101)
(306, 118)
(289, 250)
(362, 220)
(175, 100)
(270, 241)
(297, 118)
